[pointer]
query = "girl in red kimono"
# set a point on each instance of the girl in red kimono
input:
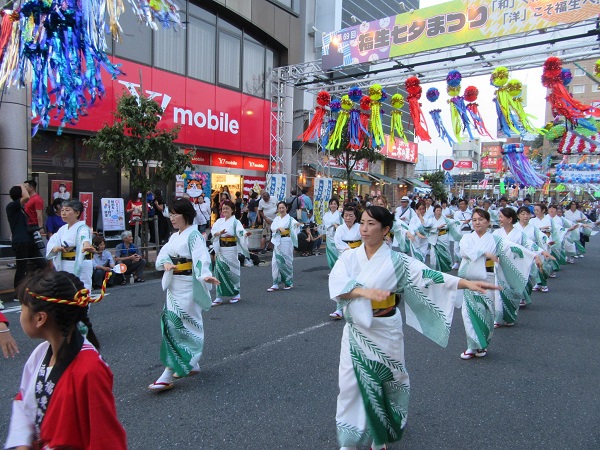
(65, 399)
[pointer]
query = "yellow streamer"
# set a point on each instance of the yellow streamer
(396, 125)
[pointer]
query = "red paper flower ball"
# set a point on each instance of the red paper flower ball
(323, 98)
(471, 94)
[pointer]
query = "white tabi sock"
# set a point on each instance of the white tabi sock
(166, 377)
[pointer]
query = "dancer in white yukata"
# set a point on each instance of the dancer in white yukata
(439, 241)
(70, 248)
(187, 277)
(229, 239)
(374, 387)
(285, 237)
(347, 236)
(419, 226)
(332, 219)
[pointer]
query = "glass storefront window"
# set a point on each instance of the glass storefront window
(169, 49)
(254, 69)
(229, 60)
(201, 50)
(53, 155)
(136, 44)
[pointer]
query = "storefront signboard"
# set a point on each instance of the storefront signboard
(463, 164)
(400, 150)
(259, 164)
(209, 115)
(112, 214)
(229, 161)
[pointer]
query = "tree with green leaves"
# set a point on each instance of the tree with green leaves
(347, 158)
(134, 142)
(436, 183)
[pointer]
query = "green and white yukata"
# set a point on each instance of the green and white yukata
(570, 218)
(477, 309)
(439, 257)
(537, 242)
(187, 295)
(402, 243)
(572, 245)
(416, 226)
(227, 263)
(330, 220)
(515, 264)
(76, 236)
(372, 405)
(282, 264)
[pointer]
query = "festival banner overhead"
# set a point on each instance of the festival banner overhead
(451, 23)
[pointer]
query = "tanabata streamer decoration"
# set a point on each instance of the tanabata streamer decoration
(597, 68)
(336, 137)
(376, 95)
(458, 109)
(471, 94)
(316, 124)
(149, 12)
(432, 95)
(414, 89)
(574, 143)
(561, 100)
(499, 78)
(365, 114)
(518, 164)
(578, 173)
(396, 123)
(515, 90)
(335, 106)
(63, 43)
(356, 131)
(60, 47)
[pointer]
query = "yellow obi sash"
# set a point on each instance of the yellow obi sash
(285, 233)
(353, 244)
(228, 239)
(489, 265)
(70, 256)
(442, 232)
(183, 268)
(384, 304)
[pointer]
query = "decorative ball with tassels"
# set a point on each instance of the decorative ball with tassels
(566, 76)
(471, 94)
(414, 89)
(597, 68)
(499, 76)
(315, 126)
(376, 127)
(396, 126)
(432, 94)
(355, 94)
(453, 78)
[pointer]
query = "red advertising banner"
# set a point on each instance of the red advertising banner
(489, 162)
(360, 166)
(256, 164)
(491, 150)
(400, 150)
(463, 164)
(200, 158)
(208, 115)
(230, 161)
(87, 198)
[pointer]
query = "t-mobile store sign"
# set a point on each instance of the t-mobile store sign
(208, 115)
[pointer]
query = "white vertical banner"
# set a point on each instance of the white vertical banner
(323, 191)
(276, 186)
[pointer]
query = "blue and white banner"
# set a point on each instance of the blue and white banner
(277, 186)
(323, 192)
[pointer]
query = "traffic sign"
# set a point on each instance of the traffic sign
(447, 164)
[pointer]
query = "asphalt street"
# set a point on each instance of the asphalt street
(269, 371)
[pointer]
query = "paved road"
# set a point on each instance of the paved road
(269, 371)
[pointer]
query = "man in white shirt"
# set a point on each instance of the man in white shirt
(464, 217)
(404, 212)
(267, 209)
(202, 218)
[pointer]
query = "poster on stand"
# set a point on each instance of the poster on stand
(323, 192)
(87, 198)
(276, 186)
(197, 183)
(112, 217)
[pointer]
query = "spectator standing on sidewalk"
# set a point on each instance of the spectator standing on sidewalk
(127, 253)
(202, 218)
(53, 219)
(267, 208)
(252, 209)
(23, 245)
(34, 207)
(307, 206)
(294, 203)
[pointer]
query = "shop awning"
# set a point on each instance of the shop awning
(340, 175)
(385, 178)
(418, 183)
